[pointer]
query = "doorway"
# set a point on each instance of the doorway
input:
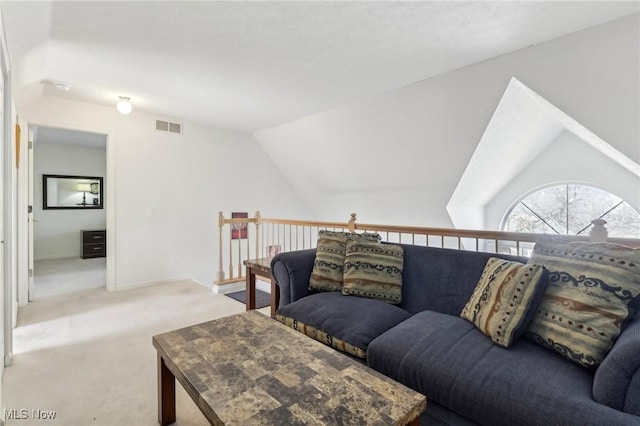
(60, 233)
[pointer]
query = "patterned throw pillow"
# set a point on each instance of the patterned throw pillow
(505, 299)
(373, 270)
(593, 292)
(330, 253)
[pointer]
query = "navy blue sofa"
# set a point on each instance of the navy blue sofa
(424, 344)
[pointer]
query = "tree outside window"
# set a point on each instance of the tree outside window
(568, 209)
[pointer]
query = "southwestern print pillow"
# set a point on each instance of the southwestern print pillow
(329, 262)
(505, 299)
(593, 292)
(373, 270)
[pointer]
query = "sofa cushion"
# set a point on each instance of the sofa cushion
(441, 280)
(505, 299)
(616, 382)
(373, 270)
(346, 323)
(330, 253)
(451, 362)
(593, 292)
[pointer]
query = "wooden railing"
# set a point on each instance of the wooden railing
(265, 237)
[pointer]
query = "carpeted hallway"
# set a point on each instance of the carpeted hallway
(88, 355)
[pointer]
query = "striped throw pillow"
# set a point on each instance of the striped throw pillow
(505, 299)
(373, 270)
(593, 292)
(330, 254)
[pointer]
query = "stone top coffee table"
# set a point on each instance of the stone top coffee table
(250, 369)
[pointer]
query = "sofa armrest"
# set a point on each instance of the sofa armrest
(291, 271)
(617, 380)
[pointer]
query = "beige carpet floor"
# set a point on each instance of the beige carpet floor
(88, 356)
(54, 277)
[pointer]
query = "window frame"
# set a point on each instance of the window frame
(584, 231)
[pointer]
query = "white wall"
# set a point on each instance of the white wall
(397, 158)
(8, 212)
(57, 232)
(169, 188)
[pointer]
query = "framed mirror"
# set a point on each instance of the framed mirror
(71, 192)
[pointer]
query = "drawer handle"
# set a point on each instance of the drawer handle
(97, 236)
(97, 248)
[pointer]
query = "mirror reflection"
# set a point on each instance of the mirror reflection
(71, 192)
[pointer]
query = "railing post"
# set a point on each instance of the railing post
(352, 223)
(599, 233)
(257, 223)
(220, 276)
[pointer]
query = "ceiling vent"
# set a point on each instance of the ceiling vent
(168, 126)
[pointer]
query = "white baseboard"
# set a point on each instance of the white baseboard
(217, 289)
(241, 285)
(139, 284)
(59, 257)
(228, 288)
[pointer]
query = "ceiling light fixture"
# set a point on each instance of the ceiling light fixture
(63, 87)
(124, 106)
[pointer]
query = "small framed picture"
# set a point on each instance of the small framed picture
(239, 230)
(273, 250)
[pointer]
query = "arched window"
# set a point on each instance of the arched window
(568, 209)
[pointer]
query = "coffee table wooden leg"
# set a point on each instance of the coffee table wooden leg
(415, 422)
(251, 290)
(166, 394)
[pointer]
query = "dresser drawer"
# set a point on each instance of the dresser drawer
(94, 244)
(94, 250)
(94, 237)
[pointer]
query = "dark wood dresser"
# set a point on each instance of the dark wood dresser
(94, 243)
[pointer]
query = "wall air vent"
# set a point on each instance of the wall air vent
(168, 126)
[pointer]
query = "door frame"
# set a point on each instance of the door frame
(109, 203)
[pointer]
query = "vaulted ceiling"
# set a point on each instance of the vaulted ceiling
(524, 116)
(248, 66)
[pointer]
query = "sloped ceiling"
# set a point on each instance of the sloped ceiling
(522, 127)
(249, 66)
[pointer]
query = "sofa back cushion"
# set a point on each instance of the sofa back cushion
(442, 280)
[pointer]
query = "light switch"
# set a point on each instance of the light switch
(150, 212)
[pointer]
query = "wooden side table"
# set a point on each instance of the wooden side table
(262, 268)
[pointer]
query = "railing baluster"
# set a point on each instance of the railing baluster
(307, 229)
(230, 256)
(240, 257)
(248, 254)
(220, 276)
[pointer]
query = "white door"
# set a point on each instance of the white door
(5, 294)
(31, 219)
